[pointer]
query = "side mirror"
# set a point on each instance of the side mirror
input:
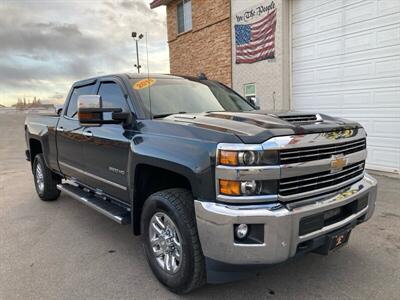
(58, 109)
(91, 112)
(254, 102)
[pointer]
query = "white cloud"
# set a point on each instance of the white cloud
(47, 45)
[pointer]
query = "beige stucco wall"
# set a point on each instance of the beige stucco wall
(271, 76)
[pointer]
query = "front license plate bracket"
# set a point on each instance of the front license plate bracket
(334, 241)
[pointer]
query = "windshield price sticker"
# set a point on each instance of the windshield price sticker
(144, 83)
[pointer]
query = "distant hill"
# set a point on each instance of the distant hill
(2, 106)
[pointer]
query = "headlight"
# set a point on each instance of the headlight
(248, 158)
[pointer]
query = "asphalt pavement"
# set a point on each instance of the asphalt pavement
(65, 250)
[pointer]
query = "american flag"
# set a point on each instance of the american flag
(256, 41)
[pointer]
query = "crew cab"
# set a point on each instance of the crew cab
(215, 187)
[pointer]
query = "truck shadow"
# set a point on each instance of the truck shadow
(307, 276)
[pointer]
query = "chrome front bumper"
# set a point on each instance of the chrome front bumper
(281, 226)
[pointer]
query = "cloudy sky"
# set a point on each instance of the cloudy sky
(47, 45)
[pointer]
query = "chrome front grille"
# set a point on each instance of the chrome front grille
(309, 166)
(316, 181)
(298, 155)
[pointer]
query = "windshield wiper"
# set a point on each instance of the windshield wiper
(159, 116)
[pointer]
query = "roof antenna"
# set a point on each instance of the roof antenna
(148, 77)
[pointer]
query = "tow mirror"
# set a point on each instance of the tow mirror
(91, 112)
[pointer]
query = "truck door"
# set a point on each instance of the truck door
(106, 147)
(69, 134)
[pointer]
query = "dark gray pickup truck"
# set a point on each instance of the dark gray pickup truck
(215, 187)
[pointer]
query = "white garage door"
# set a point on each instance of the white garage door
(346, 62)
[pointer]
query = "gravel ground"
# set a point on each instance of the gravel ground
(64, 250)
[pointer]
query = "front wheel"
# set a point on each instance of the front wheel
(171, 241)
(45, 180)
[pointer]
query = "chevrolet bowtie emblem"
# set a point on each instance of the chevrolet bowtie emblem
(338, 162)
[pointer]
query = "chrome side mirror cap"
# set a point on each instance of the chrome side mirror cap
(91, 112)
(89, 101)
(254, 101)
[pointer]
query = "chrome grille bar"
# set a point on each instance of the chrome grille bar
(320, 180)
(320, 191)
(321, 175)
(321, 152)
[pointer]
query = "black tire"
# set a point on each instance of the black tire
(178, 205)
(49, 191)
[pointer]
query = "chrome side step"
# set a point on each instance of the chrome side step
(111, 210)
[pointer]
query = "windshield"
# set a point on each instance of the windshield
(170, 96)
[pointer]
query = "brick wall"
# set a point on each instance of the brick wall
(207, 47)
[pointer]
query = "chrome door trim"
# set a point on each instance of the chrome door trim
(87, 133)
(94, 176)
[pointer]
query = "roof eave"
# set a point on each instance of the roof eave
(157, 3)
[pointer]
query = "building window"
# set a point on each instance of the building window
(184, 17)
(249, 91)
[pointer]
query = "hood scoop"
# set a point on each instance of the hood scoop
(302, 119)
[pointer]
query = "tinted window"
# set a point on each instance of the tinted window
(72, 106)
(184, 16)
(181, 95)
(112, 96)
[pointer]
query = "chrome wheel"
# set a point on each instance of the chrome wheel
(39, 178)
(165, 242)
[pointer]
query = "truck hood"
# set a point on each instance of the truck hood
(258, 126)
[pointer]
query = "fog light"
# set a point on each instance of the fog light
(249, 188)
(241, 231)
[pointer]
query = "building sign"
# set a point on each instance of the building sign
(255, 33)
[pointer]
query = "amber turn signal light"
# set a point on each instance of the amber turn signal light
(229, 158)
(229, 187)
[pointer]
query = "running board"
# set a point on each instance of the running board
(111, 210)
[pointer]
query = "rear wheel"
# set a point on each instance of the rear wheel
(45, 180)
(171, 241)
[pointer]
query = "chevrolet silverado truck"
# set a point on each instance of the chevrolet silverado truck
(215, 187)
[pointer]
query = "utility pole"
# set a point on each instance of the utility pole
(137, 38)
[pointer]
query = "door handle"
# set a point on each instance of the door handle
(60, 129)
(87, 133)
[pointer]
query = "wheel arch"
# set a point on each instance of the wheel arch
(35, 148)
(149, 179)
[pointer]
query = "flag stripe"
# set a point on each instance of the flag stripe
(264, 20)
(269, 54)
(250, 53)
(267, 42)
(265, 30)
(260, 44)
(256, 42)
